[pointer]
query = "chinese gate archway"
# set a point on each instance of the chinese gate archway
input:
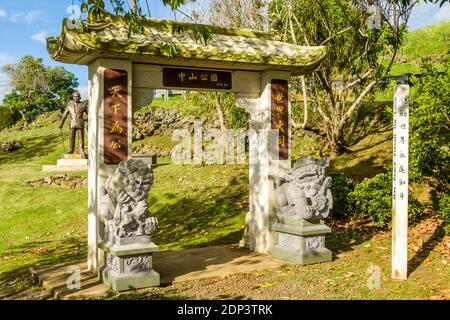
(124, 70)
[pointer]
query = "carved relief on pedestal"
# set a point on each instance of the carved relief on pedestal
(314, 242)
(289, 241)
(112, 262)
(136, 264)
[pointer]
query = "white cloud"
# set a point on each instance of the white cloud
(15, 17)
(40, 36)
(6, 59)
(32, 16)
(83, 91)
(5, 88)
(2, 13)
(27, 17)
(4, 79)
(443, 14)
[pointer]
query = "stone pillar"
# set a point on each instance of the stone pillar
(257, 218)
(262, 168)
(98, 171)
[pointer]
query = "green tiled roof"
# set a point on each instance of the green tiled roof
(158, 43)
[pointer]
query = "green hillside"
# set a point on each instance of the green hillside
(429, 42)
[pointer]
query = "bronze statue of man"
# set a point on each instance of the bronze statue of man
(76, 109)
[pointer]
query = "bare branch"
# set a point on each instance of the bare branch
(305, 103)
(355, 104)
(365, 75)
(334, 35)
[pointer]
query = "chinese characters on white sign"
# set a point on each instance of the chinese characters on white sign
(400, 183)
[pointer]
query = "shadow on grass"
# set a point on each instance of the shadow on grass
(200, 219)
(18, 281)
(367, 168)
(204, 218)
(32, 147)
(371, 145)
(426, 249)
(343, 239)
(372, 118)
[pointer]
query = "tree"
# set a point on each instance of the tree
(236, 14)
(353, 49)
(248, 14)
(37, 88)
(349, 71)
(352, 65)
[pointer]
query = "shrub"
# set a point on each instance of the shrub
(430, 133)
(341, 186)
(372, 198)
(444, 209)
(430, 130)
(7, 117)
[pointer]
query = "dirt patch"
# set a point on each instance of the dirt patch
(61, 180)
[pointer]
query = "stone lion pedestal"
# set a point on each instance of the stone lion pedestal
(301, 241)
(129, 264)
(126, 243)
(304, 198)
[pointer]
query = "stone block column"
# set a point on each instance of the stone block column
(264, 167)
(99, 166)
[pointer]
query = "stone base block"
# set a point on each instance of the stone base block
(123, 282)
(301, 257)
(147, 159)
(50, 168)
(129, 263)
(73, 156)
(65, 165)
(301, 241)
(71, 162)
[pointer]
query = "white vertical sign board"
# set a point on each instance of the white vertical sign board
(400, 183)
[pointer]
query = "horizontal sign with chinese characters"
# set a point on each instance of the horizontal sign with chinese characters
(280, 116)
(197, 78)
(115, 136)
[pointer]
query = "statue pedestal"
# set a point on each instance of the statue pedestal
(301, 241)
(129, 263)
(68, 162)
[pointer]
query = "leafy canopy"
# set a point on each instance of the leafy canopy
(37, 88)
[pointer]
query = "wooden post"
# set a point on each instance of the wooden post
(400, 183)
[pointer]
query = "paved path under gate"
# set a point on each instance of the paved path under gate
(173, 266)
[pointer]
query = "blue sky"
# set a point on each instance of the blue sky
(24, 24)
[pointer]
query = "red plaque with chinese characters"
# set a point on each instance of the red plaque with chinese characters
(115, 134)
(280, 115)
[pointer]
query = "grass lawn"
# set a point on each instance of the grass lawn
(196, 206)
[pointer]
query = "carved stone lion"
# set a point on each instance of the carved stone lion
(124, 207)
(304, 191)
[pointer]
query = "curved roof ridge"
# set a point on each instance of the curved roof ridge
(244, 48)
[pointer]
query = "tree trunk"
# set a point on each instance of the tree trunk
(134, 6)
(219, 112)
(337, 146)
(24, 118)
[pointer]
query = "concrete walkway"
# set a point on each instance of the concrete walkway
(173, 267)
